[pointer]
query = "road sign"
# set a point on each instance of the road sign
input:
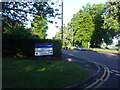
(43, 49)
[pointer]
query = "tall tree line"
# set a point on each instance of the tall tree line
(94, 24)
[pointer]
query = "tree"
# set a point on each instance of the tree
(112, 19)
(18, 30)
(67, 36)
(57, 36)
(39, 25)
(86, 25)
(79, 30)
(93, 24)
(100, 34)
(83, 27)
(96, 10)
(18, 11)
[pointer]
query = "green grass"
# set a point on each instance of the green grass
(22, 73)
(97, 49)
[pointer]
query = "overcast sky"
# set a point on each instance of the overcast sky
(70, 7)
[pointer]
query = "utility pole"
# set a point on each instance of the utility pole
(72, 36)
(62, 22)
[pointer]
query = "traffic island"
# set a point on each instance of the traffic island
(22, 73)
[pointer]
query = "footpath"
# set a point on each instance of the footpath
(89, 82)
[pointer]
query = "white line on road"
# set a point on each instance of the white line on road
(118, 75)
(115, 71)
(111, 72)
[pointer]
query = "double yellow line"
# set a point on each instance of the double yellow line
(102, 79)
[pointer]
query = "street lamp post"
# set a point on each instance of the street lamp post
(62, 22)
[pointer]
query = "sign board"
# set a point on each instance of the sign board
(43, 49)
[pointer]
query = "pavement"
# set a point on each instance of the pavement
(84, 63)
(94, 80)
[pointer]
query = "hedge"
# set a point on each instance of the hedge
(13, 44)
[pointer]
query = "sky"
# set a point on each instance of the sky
(70, 7)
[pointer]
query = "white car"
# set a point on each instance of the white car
(78, 48)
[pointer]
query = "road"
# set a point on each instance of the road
(111, 60)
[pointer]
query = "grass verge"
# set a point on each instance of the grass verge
(107, 50)
(22, 73)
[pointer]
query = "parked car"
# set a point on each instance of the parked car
(65, 48)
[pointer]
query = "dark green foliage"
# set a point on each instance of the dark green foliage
(112, 16)
(99, 33)
(111, 20)
(17, 11)
(15, 45)
(18, 40)
(83, 27)
(17, 29)
(39, 25)
(79, 30)
(22, 13)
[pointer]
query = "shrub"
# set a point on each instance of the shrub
(14, 44)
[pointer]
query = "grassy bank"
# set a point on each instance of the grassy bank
(107, 50)
(20, 73)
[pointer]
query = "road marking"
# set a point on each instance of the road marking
(111, 72)
(118, 75)
(92, 84)
(115, 71)
(100, 81)
(87, 65)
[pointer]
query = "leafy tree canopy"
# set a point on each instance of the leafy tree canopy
(97, 24)
(18, 11)
(112, 17)
(39, 25)
(83, 27)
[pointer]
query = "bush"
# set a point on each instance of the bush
(14, 45)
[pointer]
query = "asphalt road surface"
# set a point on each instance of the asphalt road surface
(111, 60)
